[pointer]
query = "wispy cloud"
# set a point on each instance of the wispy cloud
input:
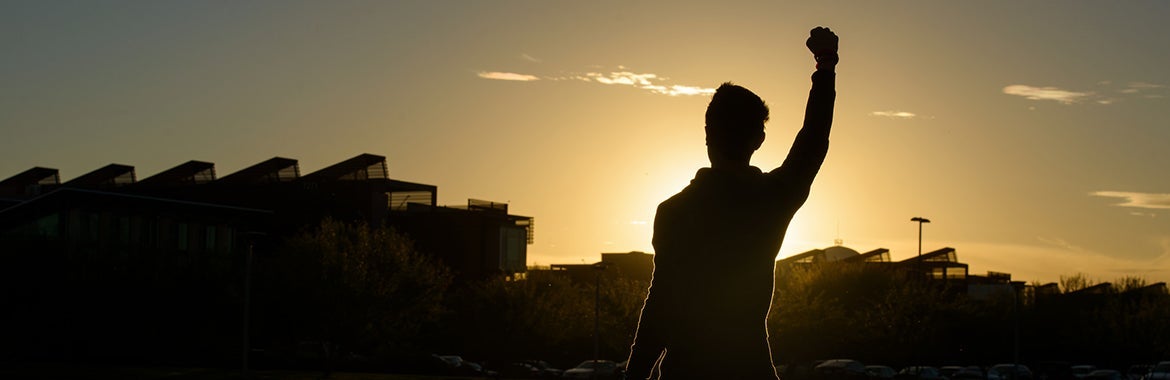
(1046, 93)
(1144, 86)
(499, 75)
(1138, 200)
(645, 81)
(530, 58)
(894, 114)
(1059, 243)
(1106, 92)
(651, 82)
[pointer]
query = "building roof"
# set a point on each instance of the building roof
(945, 254)
(1102, 288)
(273, 170)
(109, 176)
(834, 253)
(364, 166)
(18, 185)
(188, 173)
(880, 255)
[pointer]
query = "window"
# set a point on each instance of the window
(124, 230)
(93, 225)
(209, 239)
(182, 236)
(50, 225)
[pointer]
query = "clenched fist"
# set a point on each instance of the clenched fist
(822, 42)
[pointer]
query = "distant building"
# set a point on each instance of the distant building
(833, 254)
(939, 265)
(108, 266)
(633, 265)
(109, 213)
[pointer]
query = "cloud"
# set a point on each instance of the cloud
(645, 81)
(894, 114)
(1144, 86)
(498, 75)
(1138, 200)
(1046, 93)
(1059, 243)
(1107, 92)
(530, 58)
(677, 90)
(623, 77)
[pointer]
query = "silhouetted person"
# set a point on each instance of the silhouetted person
(716, 241)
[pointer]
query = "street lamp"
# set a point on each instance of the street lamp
(598, 268)
(920, 220)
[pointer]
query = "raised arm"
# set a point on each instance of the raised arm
(812, 142)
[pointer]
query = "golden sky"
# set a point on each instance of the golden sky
(1033, 134)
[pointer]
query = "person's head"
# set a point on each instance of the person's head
(735, 124)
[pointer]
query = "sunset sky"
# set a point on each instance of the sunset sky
(1033, 134)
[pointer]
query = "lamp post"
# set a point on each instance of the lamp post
(598, 268)
(920, 220)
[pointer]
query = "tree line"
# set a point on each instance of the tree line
(349, 295)
(831, 310)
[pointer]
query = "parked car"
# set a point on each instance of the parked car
(1082, 370)
(974, 373)
(594, 369)
(1104, 374)
(546, 370)
(1014, 371)
(918, 372)
(880, 371)
(1161, 371)
(1137, 371)
(948, 370)
(839, 368)
(455, 365)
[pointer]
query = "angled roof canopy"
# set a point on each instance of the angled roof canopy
(363, 167)
(18, 185)
(946, 255)
(273, 170)
(188, 173)
(112, 175)
(880, 255)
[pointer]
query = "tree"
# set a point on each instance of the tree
(360, 288)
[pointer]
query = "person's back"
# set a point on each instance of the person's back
(716, 241)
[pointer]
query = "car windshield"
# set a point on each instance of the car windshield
(1162, 367)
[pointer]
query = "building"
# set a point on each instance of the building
(939, 265)
(635, 265)
(186, 208)
(108, 266)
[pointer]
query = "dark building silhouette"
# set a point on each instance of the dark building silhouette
(633, 265)
(941, 265)
(105, 265)
(188, 208)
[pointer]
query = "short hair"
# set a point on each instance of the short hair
(736, 111)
